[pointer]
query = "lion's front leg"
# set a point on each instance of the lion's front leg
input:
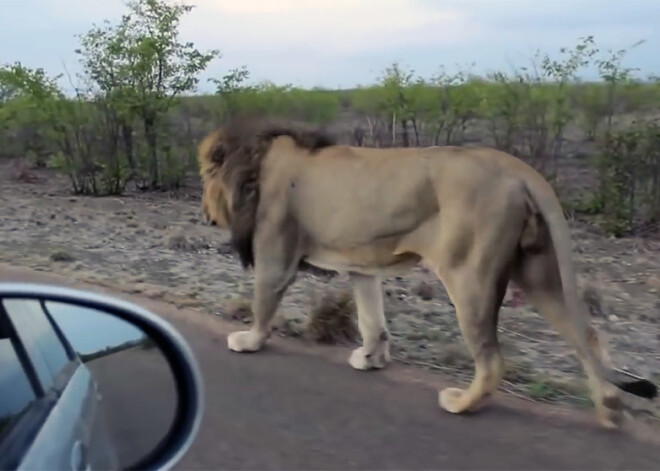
(266, 301)
(270, 286)
(275, 268)
(375, 349)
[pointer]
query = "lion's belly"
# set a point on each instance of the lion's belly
(373, 259)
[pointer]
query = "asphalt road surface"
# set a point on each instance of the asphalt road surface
(296, 406)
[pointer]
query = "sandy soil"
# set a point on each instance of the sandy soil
(156, 244)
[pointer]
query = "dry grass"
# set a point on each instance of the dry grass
(424, 290)
(185, 244)
(522, 377)
(456, 355)
(332, 319)
(592, 298)
(239, 309)
(61, 255)
(22, 172)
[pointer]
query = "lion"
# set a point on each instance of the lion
(291, 197)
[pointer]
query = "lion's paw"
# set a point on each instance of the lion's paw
(453, 400)
(362, 360)
(610, 411)
(245, 341)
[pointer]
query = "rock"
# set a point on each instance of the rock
(225, 249)
(424, 290)
(593, 300)
(653, 282)
(606, 260)
(613, 318)
(181, 242)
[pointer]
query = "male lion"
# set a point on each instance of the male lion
(479, 217)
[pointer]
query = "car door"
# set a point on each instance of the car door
(23, 407)
(53, 432)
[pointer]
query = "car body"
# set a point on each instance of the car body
(51, 414)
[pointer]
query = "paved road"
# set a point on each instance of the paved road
(302, 407)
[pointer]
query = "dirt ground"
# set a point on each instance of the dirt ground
(157, 245)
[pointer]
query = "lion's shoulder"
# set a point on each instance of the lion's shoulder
(234, 154)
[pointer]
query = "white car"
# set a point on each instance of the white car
(52, 413)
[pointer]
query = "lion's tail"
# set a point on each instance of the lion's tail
(545, 203)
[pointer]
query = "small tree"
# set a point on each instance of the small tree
(30, 100)
(615, 76)
(455, 103)
(602, 101)
(368, 102)
(502, 108)
(528, 111)
(71, 125)
(398, 99)
(562, 74)
(144, 67)
(230, 88)
(100, 51)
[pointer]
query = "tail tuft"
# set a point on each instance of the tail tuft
(641, 387)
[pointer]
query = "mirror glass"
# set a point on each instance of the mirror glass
(112, 394)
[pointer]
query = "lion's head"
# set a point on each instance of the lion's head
(230, 160)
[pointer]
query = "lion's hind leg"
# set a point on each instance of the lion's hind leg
(473, 255)
(477, 305)
(375, 349)
(538, 275)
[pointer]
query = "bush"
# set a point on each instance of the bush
(629, 170)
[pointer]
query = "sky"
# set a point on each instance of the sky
(89, 330)
(345, 43)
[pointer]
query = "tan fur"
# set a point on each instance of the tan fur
(478, 216)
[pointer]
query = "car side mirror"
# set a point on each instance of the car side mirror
(89, 381)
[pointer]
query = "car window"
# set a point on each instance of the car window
(39, 338)
(16, 392)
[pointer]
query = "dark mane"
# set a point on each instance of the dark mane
(240, 149)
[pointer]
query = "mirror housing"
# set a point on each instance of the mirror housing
(183, 366)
